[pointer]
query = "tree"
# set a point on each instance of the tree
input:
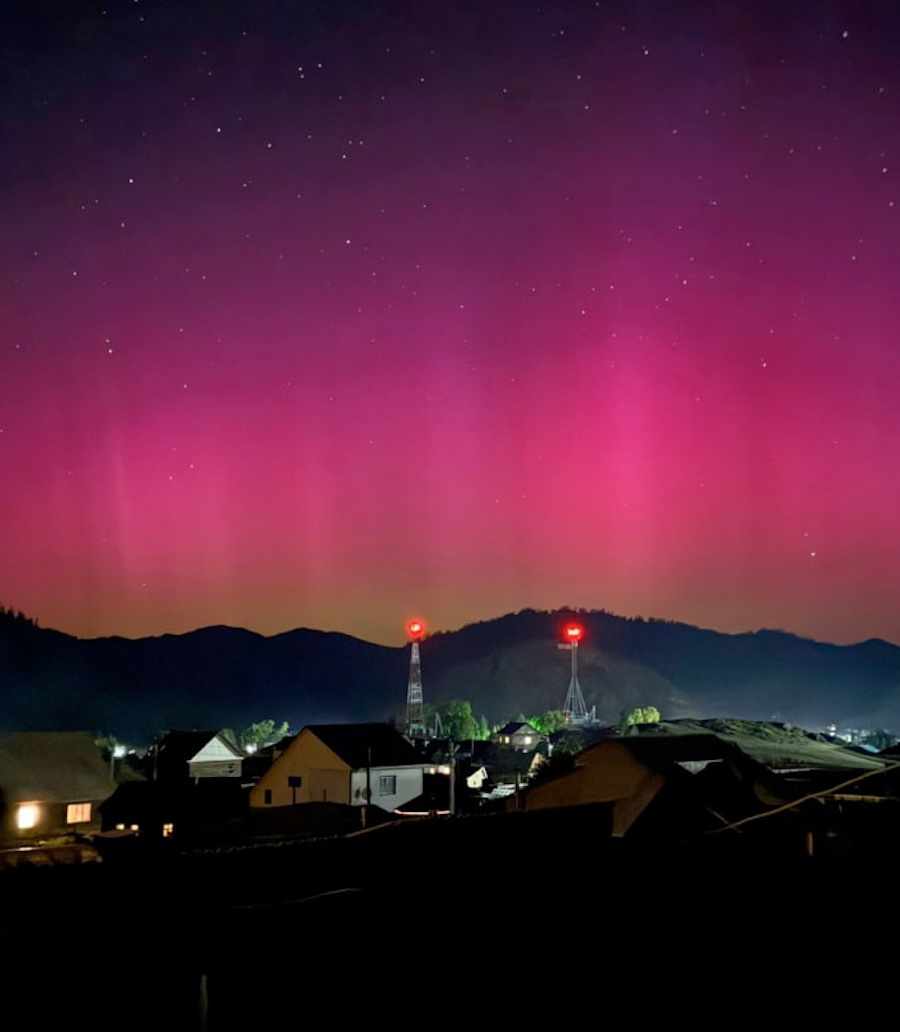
(640, 715)
(459, 721)
(262, 733)
(555, 766)
(571, 740)
(548, 722)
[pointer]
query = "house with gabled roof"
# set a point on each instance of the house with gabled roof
(51, 784)
(519, 735)
(348, 764)
(669, 784)
(217, 758)
(195, 754)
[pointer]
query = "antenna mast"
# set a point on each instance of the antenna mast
(575, 708)
(415, 715)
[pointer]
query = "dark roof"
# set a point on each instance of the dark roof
(657, 751)
(53, 767)
(171, 756)
(515, 727)
(367, 745)
(183, 745)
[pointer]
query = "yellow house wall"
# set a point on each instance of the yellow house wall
(326, 778)
(607, 773)
(565, 791)
(610, 772)
(326, 786)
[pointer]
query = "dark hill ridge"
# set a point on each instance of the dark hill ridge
(222, 676)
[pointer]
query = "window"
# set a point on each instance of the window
(168, 830)
(387, 784)
(78, 813)
(27, 816)
(267, 797)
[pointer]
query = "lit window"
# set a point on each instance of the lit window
(27, 816)
(528, 739)
(78, 813)
(387, 784)
(168, 830)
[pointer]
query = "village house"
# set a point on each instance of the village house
(51, 785)
(518, 735)
(193, 785)
(194, 754)
(348, 764)
(671, 783)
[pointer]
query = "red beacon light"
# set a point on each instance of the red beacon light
(573, 633)
(416, 630)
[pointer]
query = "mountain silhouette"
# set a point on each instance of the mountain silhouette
(228, 677)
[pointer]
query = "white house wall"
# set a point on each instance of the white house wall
(409, 784)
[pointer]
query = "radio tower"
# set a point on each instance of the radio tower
(575, 709)
(415, 716)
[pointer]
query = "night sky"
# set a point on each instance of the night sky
(330, 314)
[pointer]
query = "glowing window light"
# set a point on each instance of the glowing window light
(27, 816)
(78, 813)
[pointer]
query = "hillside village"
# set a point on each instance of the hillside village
(217, 841)
(63, 789)
(338, 823)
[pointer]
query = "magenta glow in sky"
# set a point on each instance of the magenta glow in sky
(330, 315)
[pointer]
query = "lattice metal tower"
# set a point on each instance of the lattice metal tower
(415, 715)
(575, 708)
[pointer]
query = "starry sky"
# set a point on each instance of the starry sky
(327, 314)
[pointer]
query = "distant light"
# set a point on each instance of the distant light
(573, 633)
(416, 630)
(27, 816)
